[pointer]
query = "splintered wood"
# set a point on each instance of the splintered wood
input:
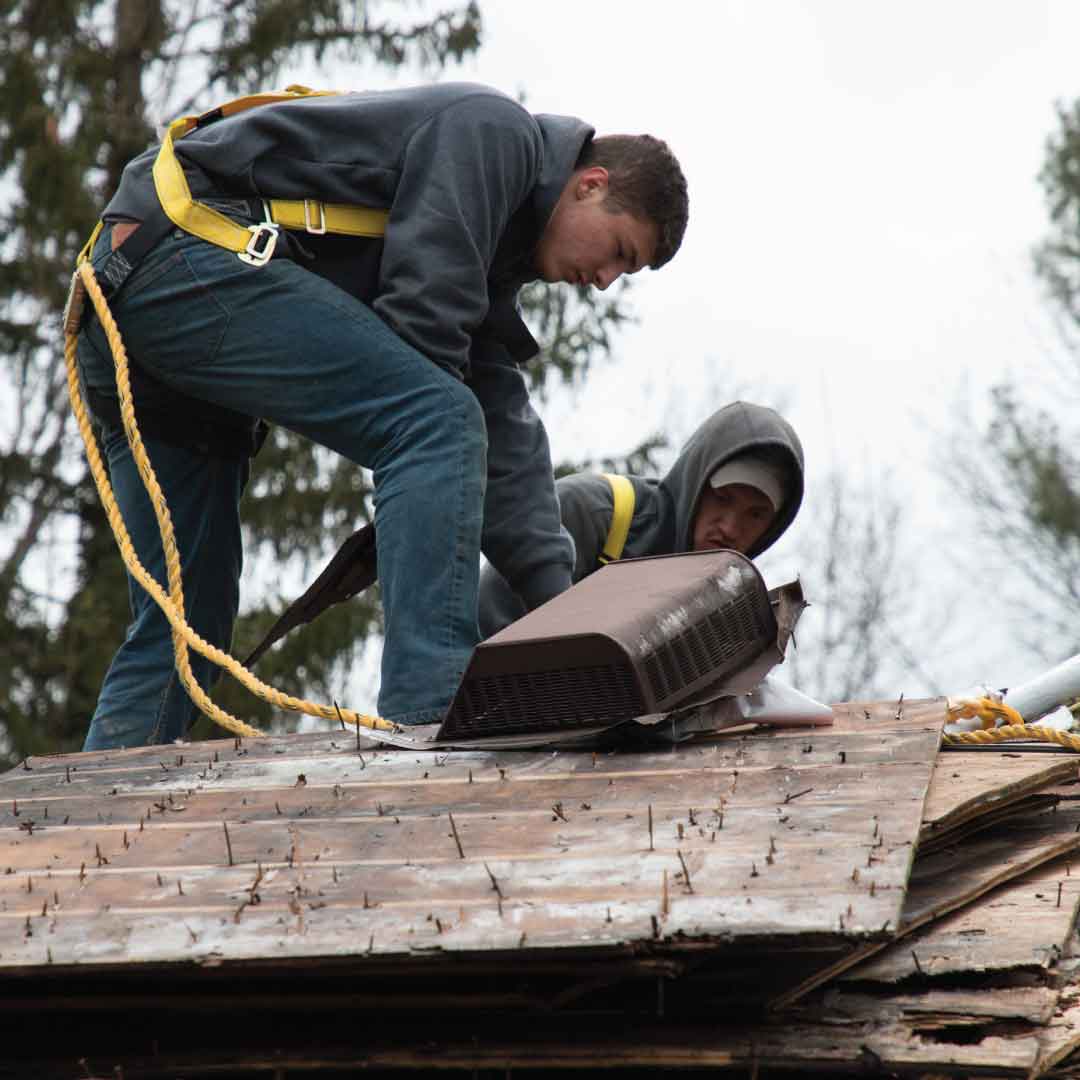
(305, 847)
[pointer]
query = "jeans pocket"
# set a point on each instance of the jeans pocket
(169, 316)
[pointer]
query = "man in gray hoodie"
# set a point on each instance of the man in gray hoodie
(398, 348)
(738, 484)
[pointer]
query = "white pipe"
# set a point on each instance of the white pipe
(1054, 687)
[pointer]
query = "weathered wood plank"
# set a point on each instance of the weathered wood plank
(1023, 925)
(750, 838)
(948, 880)
(966, 785)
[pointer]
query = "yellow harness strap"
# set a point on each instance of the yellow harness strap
(253, 243)
(622, 492)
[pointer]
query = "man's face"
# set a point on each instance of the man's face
(586, 244)
(734, 516)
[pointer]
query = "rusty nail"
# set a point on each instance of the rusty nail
(457, 839)
(277, 808)
(855, 874)
(651, 848)
(126, 842)
(690, 815)
(502, 774)
(873, 888)
(686, 871)
(67, 774)
(772, 845)
(900, 707)
(918, 966)
(228, 842)
(494, 881)
(679, 829)
(843, 757)
(1059, 894)
(15, 807)
(557, 810)
(29, 883)
(521, 940)
(438, 925)
(159, 881)
(608, 919)
(797, 795)
(82, 872)
(753, 869)
(335, 877)
(179, 887)
(655, 926)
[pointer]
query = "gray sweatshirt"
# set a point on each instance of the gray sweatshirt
(664, 509)
(470, 179)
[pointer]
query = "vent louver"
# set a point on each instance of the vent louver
(636, 637)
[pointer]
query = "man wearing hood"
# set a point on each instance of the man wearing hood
(738, 484)
(400, 352)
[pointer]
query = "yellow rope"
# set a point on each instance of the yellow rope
(988, 710)
(172, 603)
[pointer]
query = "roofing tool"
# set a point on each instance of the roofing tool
(636, 638)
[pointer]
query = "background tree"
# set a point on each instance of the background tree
(84, 83)
(1022, 479)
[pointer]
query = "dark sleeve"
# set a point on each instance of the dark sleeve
(522, 536)
(464, 173)
(586, 505)
(499, 605)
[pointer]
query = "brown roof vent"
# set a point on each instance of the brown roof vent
(636, 637)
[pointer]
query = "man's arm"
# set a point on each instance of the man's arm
(586, 507)
(522, 536)
(464, 173)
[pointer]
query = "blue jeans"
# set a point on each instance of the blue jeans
(281, 343)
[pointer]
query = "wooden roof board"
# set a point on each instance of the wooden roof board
(1024, 924)
(950, 878)
(564, 835)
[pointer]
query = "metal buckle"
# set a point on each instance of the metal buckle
(260, 248)
(76, 302)
(317, 230)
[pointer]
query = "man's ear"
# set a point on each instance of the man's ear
(592, 181)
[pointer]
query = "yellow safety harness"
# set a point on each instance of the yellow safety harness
(255, 245)
(622, 492)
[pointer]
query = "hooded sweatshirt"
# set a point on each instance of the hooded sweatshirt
(470, 179)
(663, 519)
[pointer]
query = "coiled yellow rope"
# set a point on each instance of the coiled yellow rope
(988, 711)
(172, 603)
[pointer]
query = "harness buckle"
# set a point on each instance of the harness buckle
(76, 302)
(260, 248)
(320, 228)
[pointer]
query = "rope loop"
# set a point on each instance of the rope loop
(171, 602)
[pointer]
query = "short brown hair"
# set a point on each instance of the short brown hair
(644, 179)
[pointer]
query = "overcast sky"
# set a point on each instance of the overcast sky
(863, 205)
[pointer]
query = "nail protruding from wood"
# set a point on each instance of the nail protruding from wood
(686, 872)
(228, 842)
(457, 839)
(651, 848)
(918, 966)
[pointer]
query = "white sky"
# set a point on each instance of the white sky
(863, 205)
